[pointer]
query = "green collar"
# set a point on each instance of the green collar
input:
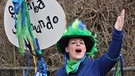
(72, 66)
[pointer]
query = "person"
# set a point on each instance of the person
(78, 45)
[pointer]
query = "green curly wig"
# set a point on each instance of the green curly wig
(78, 30)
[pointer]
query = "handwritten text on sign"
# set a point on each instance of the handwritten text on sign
(47, 21)
(41, 23)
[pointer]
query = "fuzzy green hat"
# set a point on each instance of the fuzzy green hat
(78, 30)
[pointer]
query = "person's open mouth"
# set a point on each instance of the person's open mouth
(78, 50)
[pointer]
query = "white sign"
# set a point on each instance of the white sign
(48, 22)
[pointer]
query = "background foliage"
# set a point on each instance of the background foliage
(99, 17)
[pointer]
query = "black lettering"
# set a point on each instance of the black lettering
(33, 27)
(11, 11)
(41, 4)
(55, 19)
(49, 24)
(41, 23)
(38, 6)
(29, 6)
(35, 8)
(38, 30)
(14, 32)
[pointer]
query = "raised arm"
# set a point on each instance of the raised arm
(110, 58)
(116, 43)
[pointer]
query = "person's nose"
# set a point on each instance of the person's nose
(78, 44)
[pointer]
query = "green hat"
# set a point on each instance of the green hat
(78, 30)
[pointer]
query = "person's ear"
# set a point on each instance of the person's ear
(66, 49)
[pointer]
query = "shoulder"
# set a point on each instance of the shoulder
(61, 72)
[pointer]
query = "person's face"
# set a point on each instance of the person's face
(76, 49)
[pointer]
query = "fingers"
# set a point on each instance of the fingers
(122, 16)
(120, 21)
(123, 13)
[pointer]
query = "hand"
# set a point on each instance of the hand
(120, 21)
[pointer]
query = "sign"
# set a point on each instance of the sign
(48, 22)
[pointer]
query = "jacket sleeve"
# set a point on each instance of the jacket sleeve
(108, 60)
(115, 45)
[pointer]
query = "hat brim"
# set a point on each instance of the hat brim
(63, 42)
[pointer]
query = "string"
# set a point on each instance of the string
(25, 36)
(41, 64)
(119, 67)
(26, 74)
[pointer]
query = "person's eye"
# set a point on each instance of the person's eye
(81, 42)
(73, 42)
